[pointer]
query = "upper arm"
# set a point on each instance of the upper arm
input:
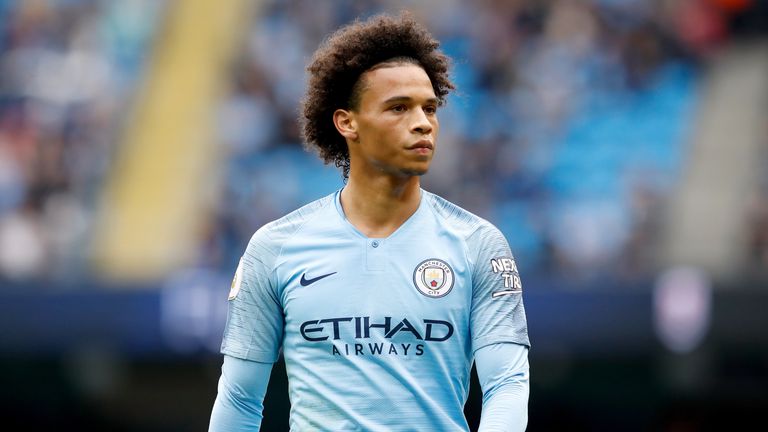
(497, 312)
(254, 328)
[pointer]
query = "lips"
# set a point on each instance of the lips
(423, 144)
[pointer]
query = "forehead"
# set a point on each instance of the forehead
(406, 80)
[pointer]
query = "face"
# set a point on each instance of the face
(394, 128)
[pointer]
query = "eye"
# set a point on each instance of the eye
(430, 109)
(399, 108)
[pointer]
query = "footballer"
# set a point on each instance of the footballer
(382, 295)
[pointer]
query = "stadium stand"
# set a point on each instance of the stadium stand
(69, 71)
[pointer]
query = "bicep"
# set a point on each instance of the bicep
(254, 328)
(497, 311)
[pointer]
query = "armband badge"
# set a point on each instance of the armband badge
(236, 281)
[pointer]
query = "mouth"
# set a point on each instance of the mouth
(422, 145)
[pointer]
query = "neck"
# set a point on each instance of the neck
(378, 207)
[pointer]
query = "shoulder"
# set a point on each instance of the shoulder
(464, 222)
(268, 240)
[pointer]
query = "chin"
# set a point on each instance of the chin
(411, 172)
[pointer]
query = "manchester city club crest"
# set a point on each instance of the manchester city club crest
(433, 278)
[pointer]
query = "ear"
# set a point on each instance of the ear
(345, 123)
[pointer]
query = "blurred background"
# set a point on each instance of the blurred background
(620, 145)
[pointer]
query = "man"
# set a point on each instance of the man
(380, 295)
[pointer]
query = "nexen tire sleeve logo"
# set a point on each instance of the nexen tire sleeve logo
(507, 268)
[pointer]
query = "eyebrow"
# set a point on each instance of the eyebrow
(394, 99)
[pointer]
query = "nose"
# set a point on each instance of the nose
(421, 123)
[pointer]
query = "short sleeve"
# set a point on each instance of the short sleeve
(498, 313)
(254, 328)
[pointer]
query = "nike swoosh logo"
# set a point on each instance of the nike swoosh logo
(307, 282)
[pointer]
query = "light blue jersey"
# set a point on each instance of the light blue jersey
(377, 334)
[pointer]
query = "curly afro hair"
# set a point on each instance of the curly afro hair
(336, 67)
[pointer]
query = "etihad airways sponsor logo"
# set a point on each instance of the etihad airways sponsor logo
(396, 333)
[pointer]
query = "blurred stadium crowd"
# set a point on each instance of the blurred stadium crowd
(570, 129)
(68, 70)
